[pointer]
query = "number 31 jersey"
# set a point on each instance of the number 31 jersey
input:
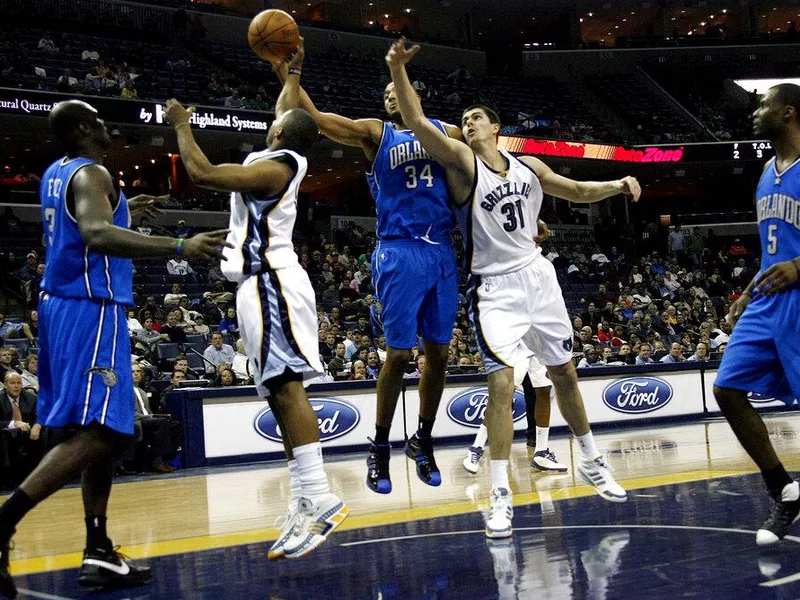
(498, 221)
(410, 189)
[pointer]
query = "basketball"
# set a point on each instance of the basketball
(273, 35)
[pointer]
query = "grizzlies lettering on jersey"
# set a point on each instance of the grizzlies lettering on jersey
(499, 220)
(778, 211)
(261, 228)
(410, 189)
(73, 270)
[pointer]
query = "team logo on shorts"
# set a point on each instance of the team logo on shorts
(469, 407)
(634, 395)
(567, 344)
(336, 417)
(757, 398)
(109, 375)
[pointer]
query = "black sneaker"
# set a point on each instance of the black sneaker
(421, 451)
(108, 569)
(378, 479)
(783, 513)
(531, 439)
(7, 587)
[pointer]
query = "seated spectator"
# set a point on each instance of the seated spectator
(420, 362)
(133, 323)
(218, 353)
(9, 362)
(737, 249)
(8, 329)
(225, 377)
(643, 357)
(199, 327)
(675, 354)
(178, 266)
(175, 381)
(30, 370)
(230, 324)
(233, 101)
(161, 436)
(175, 296)
(700, 353)
(46, 43)
(28, 270)
(327, 348)
(182, 232)
(373, 365)
(339, 362)
(144, 227)
(67, 83)
(590, 357)
(174, 333)
(20, 447)
(147, 337)
(257, 103)
(243, 366)
(129, 91)
(358, 371)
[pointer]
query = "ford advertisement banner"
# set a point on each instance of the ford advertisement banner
(469, 407)
(637, 395)
(336, 417)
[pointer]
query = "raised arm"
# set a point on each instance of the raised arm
(450, 153)
(361, 133)
(264, 176)
(289, 97)
(582, 192)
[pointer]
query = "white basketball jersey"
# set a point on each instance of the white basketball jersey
(498, 222)
(261, 228)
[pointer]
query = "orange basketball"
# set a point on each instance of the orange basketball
(273, 35)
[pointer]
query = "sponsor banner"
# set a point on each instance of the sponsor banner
(336, 418)
(135, 112)
(756, 399)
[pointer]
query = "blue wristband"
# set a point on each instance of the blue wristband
(179, 247)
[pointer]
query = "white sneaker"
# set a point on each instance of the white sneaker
(598, 474)
(501, 511)
(473, 459)
(314, 523)
(545, 460)
(276, 551)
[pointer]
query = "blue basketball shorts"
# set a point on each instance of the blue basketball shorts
(416, 283)
(763, 355)
(84, 364)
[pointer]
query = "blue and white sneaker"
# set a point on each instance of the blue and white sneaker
(473, 459)
(314, 523)
(545, 460)
(276, 551)
(597, 473)
(501, 511)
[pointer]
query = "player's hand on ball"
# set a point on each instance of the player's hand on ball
(778, 277)
(296, 62)
(145, 204)
(207, 246)
(544, 232)
(399, 55)
(737, 309)
(630, 187)
(177, 114)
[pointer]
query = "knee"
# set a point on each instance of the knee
(727, 398)
(563, 375)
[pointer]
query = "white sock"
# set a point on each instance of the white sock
(588, 447)
(295, 490)
(483, 435)
(500, 474)
(311, 471)
(542, 438)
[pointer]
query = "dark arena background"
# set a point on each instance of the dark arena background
(663, 91)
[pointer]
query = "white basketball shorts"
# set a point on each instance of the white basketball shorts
(535, 370)
(278, 323)
(520, 314)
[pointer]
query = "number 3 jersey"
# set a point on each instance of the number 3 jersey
(778, 213)
(498, 221)
(410, 189)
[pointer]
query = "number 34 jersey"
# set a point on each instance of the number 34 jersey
(410, 189)
(498, 221)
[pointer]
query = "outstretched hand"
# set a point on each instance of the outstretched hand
(207, 246)
(296, 60)
(631, 188)
(399, 55)
(177, 114)
(145, 204)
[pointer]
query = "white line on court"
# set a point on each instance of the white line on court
(42, 595)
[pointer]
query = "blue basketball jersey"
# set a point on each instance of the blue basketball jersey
(410, 189)
(73, 270)
(778, 211)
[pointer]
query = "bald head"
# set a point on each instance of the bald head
(294, 130)
(13, 383)
(73, 122)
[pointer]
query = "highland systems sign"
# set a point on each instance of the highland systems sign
(134, 112)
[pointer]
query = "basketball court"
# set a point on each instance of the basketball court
(687, 529)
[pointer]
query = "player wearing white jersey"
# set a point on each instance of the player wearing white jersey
(275, 300)
(516, 300)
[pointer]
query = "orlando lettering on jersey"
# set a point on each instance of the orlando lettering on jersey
(779, 206)
(503, 191)
(406, 152)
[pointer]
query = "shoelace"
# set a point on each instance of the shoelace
(474, 456)
(499, 506)
(549, 455)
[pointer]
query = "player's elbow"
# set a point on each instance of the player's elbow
(96, 235)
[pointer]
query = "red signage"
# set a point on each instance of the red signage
(649, 154)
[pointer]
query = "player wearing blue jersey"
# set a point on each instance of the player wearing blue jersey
(767, 312)
(85, 379)
(413, 268)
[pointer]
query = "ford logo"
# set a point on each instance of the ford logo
(468, 407)
(635, 395)
(336, 418)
